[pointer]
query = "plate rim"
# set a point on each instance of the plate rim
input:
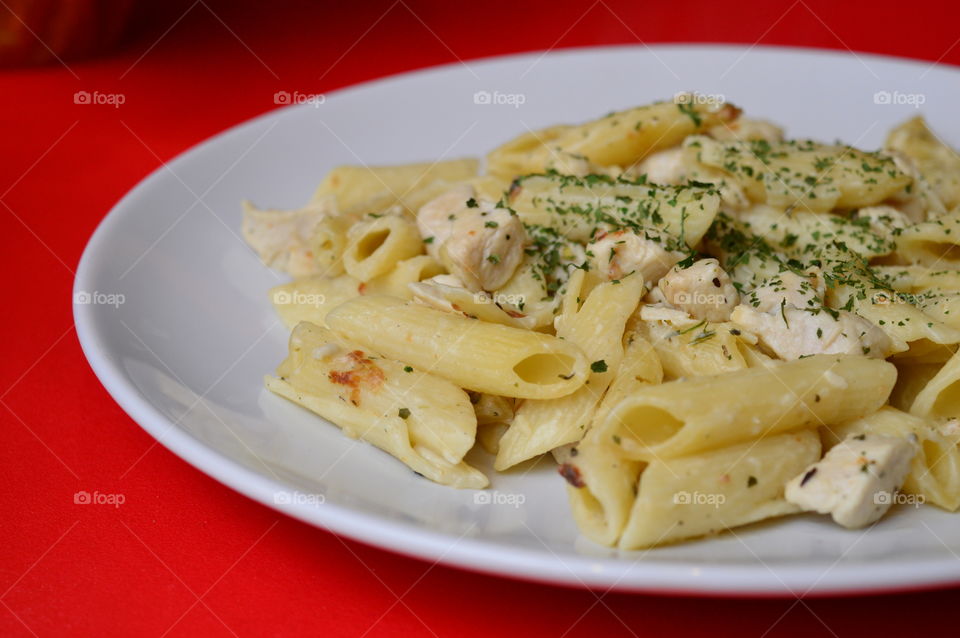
(484, 556)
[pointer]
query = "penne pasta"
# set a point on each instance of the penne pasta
(703, 413)
(716, 490)
(352, 185)
(475, 355)
(596, 328)
(577, 207)
(376, 246)
(672, 301)
(602, 481)
(424, 421)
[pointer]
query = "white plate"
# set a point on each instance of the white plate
(185, 352)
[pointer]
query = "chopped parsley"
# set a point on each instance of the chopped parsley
(598, 366)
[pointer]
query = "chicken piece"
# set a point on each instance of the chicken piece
(430, 291)
(664, 167)
(478, 242)
(655, 296)
(678, 166)
(791, 333)
(282, 238)
(747, 129)
(485, 247)
(622, 252)
(950, 428)
(883, 220)
(856, 480)
(435, 218)
(574, 164)
(790, 289)
(786, 314)
(703, 290)
(681, 165)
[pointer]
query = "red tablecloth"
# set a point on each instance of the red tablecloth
(184, 555)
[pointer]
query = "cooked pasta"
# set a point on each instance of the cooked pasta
(674, 304)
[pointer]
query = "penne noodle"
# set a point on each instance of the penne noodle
(352, 185)
(715, 490)
(424, 421)
(680, 305)
(703, 413)
(376, 246)
(476, 355)
(576, 207)
(596, 327)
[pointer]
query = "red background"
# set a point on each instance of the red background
(185, 555)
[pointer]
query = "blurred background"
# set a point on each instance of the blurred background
(38, 32)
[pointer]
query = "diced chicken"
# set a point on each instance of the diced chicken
(786, 314)
(747, 129)
(485, 247)
(478, 242)
(703, 290)
(883, 220)
(856, 480)
(622, 252)
(435, 218)
(691, 169)
(282, 238)
(573, 164)
(791, 333)
(447, 293)
(787, 288)
(950, 428)
(430, 292)
(655, 296)
(664, 167)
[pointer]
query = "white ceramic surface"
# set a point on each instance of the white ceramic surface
(185, 352)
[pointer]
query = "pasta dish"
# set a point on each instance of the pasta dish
(700, 322)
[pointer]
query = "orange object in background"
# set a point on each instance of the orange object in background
(35, 32)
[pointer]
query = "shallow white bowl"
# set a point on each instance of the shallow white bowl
(185, 352)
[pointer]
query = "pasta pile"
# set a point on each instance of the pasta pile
(704, 324)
